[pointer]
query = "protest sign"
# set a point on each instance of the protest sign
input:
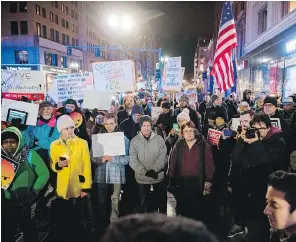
(15, 84)
(192, 95)
(172, 75)
(111, 144)
(9, 169)
(99, 100)
(72, 85)
(183, 72)
(275, 122)
(113, 76)
(235, 122)
(31, 109)
(155, 112)
(214, 136)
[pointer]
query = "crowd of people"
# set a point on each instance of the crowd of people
(248, 174)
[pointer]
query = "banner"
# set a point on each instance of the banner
(214, 137)
(15, 84)
(172, 75)
(113, 76)
(31, 109)
(99, 100)
(9, 169)
(72, 86)
(111, 144)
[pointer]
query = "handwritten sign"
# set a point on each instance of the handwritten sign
(214, 137)
(99, 100)
(155, 112)
(172, 75)
(108, 144)
(15, 84)
(192, 95)
(31, 109)
(114, 76)
(72, 85)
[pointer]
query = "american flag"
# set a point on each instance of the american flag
(226, 42)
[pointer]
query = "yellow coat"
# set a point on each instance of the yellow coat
(75, 178)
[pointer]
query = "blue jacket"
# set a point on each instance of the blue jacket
(41, 135)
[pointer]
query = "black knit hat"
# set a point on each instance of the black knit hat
(137, 109)
(71, 101)
(45, 104)
(166, 105)
(271, 100)
(9, 135)
(145, 118)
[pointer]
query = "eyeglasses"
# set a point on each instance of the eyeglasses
(268, 105)
(188, 131)
(12, 142)
(261, 128)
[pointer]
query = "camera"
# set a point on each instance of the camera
(251, 133)
(239, 129)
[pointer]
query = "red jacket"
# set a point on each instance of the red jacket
(187, 162)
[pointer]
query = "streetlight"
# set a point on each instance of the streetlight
(164, 59)
(126, 22)
(113, 21)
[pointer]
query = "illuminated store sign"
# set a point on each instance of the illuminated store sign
(291, 46)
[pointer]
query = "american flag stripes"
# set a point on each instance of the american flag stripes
(226, 42)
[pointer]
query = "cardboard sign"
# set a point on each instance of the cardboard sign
(235, 122)
(99, 100)
(30, 108)
(72, 85)
(9, 169)
(214, 137)
(172, 75)
(113, 76)
(155, 112)
(15, 84)
(108, 144)
(275, 122)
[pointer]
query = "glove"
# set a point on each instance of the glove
(152, 173)
(207, 188)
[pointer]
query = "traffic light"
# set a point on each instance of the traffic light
(69, 50)
(97, 51)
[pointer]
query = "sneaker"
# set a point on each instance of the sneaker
(235, 230)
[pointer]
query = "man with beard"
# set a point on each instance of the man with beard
(288, 106)
(128, 104)
(184, 103)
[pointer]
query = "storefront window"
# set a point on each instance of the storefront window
(290, 75)
(21, 57)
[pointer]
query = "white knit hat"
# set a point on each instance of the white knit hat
(64, 122)
(184, 115)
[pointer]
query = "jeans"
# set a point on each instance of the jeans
(25, 216)
(152, 201)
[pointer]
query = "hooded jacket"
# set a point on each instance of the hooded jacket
(75, 178)
(31, 176)
(166, 120)
(146, 155)
(130, 128)
(249, 101)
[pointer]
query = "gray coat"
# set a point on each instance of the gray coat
(146, 155)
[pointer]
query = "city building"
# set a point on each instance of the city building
(269, 55)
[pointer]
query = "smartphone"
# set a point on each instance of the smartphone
(176, 127)
(228, 132)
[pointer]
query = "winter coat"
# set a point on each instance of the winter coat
(232, 109)
(192, 114)
(146, 155)
(166, 120)
(288, 114)
(170, 142)
(277, 237)
(121, 116)
(202, 109)
(44, 134)
(249, 101)
(130, 128)
(75, 178)
(31, 176)
(185, 162)
(217, 109)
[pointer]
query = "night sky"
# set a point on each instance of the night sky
(178, 25)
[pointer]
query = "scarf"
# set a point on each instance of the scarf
(50, 122)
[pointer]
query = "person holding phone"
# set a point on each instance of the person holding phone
(70, 159)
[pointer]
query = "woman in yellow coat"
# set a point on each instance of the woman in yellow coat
(70, 159)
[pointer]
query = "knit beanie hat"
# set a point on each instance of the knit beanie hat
(184, 115)
(45, 104)
(185, 98)
(214, 97)
(144, 119)
(137, 109)
(71, 101)
(271, 100)
(166, 105)
(64, 122)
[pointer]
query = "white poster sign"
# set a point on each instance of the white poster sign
(275, 122)
(192, 95)
(99, 100)
(111, 144)
(24, 83)
(235, 122)
(31, 109)
(155, 112)
(172, 75)
(72, 85)
(113, 76)
(183, 72)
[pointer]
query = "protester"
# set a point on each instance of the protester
(148, 158)
(20, 193)
(109, 177)
(70, 159)
(165, 119)
(128, 104)
(288, 106)
(259, 103)
(203, 106)
(157, 228)
(231, 107)
(95, 123)
(191, 169)
(215, 105)
(281, 206)
(247, 97)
